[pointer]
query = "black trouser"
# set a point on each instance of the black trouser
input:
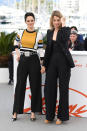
(57, 68)
(10, 67)
(28, 66)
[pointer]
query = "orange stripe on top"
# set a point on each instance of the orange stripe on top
(28, 39)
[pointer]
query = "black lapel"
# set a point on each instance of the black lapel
(51, 34)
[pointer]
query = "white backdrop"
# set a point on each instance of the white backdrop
(77, 88)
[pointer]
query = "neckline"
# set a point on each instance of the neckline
(30, 31)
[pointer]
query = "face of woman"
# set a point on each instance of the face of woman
(30, 22)
(56, 22)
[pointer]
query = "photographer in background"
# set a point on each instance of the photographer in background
(74, 43)
(80, 37)
(10, 67)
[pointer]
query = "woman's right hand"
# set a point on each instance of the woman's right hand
(18, 54)
(43, 69)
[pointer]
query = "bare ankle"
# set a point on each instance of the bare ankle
(32, 113)
(15, 114)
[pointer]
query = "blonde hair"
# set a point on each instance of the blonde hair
(55, 13)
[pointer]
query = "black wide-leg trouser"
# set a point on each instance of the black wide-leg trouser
(58, 68)
(28, 66)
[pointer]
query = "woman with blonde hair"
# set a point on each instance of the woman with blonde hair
(57, 63)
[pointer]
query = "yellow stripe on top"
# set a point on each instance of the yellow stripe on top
(28, 39)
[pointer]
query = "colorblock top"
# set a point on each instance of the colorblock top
(27, 40)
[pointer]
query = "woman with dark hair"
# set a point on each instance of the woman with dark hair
(57, 63)
(29, 64)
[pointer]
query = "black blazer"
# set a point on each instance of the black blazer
(62, 40)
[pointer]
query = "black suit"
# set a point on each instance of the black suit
(58, 62)
(62, 39)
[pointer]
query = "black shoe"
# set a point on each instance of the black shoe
(33, 119)
(10, 82)
(14, 119)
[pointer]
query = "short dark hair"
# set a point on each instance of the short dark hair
(29, 14)
(74, 28)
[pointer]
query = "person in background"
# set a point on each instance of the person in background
(80, 37)
(29, 64)
(85, 43)
(57, 64)
(74, 43)
(11, 62)
(10, 67)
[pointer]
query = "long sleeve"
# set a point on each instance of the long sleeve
(17, 41)
(63, 36)
(40, 49)
(47, 51)
(65, 33)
